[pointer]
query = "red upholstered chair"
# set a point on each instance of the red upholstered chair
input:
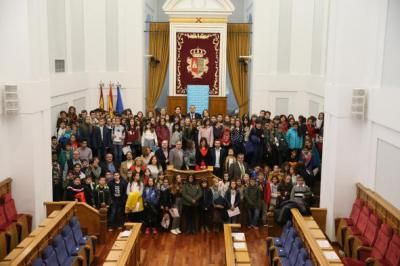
(367, 255)
(367, 239)
(392, 257)
(3, 219)
(9, 207)
(357, 229)
(343, 223)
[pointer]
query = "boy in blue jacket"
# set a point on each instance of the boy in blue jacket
(150, 201)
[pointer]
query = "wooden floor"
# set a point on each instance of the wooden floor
(194, 250)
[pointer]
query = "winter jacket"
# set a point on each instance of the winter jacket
(101, 195)
(191, 192)
(253, 196)
(293, 140)
(150, 196)
(206, 199)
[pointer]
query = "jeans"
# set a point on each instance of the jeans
(117, 213)
(118, 152)
(254, 214)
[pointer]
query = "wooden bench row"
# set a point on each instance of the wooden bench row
(126, 248)
(315, 242)
(235, 255)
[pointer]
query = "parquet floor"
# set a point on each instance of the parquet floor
(166, 249)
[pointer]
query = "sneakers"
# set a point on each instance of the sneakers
(147, 231)
(174, 231)
(178, 231)
(155, 231)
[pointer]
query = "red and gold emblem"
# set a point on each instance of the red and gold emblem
(197, 63)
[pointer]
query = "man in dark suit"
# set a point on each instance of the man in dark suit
(218, 155)
(102, 141)
(239, 168)
(192, 113)
(162, 155)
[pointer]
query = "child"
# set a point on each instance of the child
(118, 198)
(134, 202)
(101, 195)
(176, 192)
(224, 185)
(218, 206)
(165, 198)
(232, 198)
(75, 191)
(149, 137)
(146, 176)
(150, 201)
(118, 137)
(89, 187)
(300, 190)
(205, 206)
(274, 192)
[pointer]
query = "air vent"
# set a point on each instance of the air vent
(59, 65)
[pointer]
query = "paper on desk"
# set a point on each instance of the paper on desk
(125, 233)
(235, 212)
(239, 245)
(238, 237)
(331, 255)
(323, 243)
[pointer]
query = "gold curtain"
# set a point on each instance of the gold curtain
(158, 64)
(238, 43)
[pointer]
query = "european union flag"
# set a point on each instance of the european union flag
(120, 105)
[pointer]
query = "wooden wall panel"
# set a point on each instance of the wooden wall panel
(217, 105)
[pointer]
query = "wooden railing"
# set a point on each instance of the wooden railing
(198, 175)
(126, 250)
(311, 234)
(234, 257)
(385, 210)
(32, 246)
(93, 221)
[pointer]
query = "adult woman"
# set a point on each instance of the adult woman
(132, 137)
(206, 131)
(232, 198)
(254, 147)
(146, 154)
(149, 137)
(162, 131)
(187, 133)
(71, 116)
(154, 167)
(191, 194)
(203, 154)
(176, 135)
(237, 137)
(139, 166)
(176, 211)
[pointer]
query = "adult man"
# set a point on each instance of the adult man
(162, 155)
(218, 156)
(239, 168)
(176, 156)
(102, 139)
(109, 165)
(85, 153)
(192, 113)
(69, 165)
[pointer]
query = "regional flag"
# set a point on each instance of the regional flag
(110, 102)
(101, 101)
(120, 105)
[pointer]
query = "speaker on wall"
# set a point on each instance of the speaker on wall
(359, 104)
(10, 97)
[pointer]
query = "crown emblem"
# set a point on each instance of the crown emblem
(198, 52)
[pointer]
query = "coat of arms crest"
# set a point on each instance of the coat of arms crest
(197, 63)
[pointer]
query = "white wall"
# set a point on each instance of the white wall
(104, 41)
(25, 137)
(360, 37)
(289, 44)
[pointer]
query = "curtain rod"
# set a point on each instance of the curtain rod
(249, 23)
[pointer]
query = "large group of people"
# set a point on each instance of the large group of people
(119, 162)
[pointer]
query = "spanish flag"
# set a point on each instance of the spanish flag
(101, 101)
(110, 102)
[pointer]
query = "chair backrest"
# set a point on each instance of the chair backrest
(38, 262)
(12, 231)
(356, 210)
(297, 245)
(9, 207)
(373, 227)
(285, 234)
(363, 219)
(3, 218)
(77, 232)
(49, 256)
(69, 239)
(382, 241)
(301, 257)
(392, 256)
(60, 249)
(308, 263)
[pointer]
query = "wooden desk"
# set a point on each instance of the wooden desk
(198, 175)
(232, 256)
